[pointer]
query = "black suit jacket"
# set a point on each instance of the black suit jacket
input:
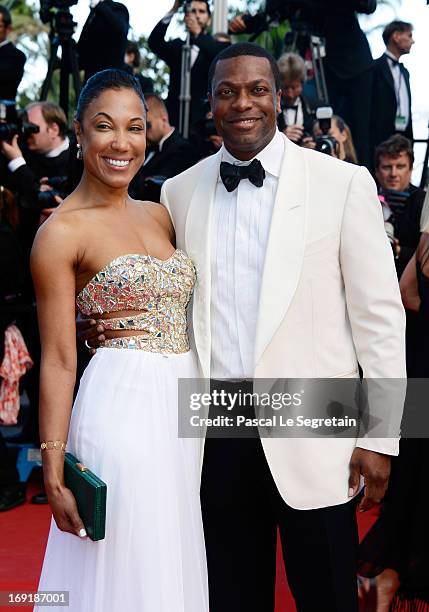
(407, 229)
(384, 102)
(176, 155)
(12, 62)
(171, 53)
(24, 182)
(347, 50)
(103, 40)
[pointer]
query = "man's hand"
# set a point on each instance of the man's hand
(44, 184)
(89, 333)
(294, 132)
(11, 150)
(237, 25)
(192, 25)
(375, 468)
(308, 143)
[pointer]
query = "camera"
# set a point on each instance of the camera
(325, 143)
(58, 10)
(59, 186)
(14, 122)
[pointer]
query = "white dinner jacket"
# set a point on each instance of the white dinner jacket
(329, 299)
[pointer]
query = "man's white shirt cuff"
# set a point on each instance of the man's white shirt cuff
(16, 163)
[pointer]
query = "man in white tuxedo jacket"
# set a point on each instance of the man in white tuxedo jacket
(295, 278)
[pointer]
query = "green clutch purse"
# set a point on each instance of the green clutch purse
(90, 494)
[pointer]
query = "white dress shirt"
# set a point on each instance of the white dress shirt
(401, 91)
(294, 116)
(240, 228)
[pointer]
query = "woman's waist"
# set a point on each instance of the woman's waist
(158, 341)
(168, 320)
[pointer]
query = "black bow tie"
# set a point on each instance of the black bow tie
(395, 62)
(232, 174)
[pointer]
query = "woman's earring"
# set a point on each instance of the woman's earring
(79, 154)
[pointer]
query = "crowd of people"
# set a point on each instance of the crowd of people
(45, 157)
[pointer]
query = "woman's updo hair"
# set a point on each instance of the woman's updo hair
(103, 81)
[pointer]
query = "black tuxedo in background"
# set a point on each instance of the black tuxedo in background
(407, 228)
(384, 102)
(348, 69)
(176, 155)
(25, 184)
(103, 40)
(12, 62)
(307, 113)
(171, 53)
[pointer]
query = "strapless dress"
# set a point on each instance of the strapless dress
(124, 427)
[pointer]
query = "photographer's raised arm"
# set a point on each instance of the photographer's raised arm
(53, 261)
(165, 50)
(20, 176)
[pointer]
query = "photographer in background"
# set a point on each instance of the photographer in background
(402, 202)
(204, 49)
(132, 62)
(44, 155)
(167, 153)
(12, 60)
(296, 118)
(340, 131)
(103, 40)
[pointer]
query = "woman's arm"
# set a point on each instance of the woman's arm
(53, 259)
(408, 286)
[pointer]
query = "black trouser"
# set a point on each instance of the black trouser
(242, 509)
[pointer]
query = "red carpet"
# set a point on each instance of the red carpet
(23, 535)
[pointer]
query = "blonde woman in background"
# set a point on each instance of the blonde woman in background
(342, 134)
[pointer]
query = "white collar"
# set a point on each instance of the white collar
(58, 150)
(164, 138)
(5, 42)
(270, 157)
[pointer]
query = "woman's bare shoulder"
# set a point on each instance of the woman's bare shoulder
(60, 234)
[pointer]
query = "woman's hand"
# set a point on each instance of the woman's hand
(64, 509)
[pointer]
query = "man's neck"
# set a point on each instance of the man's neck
(248, 155)
(58, 146)
(394, 51)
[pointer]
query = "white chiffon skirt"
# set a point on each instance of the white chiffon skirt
(124, 427)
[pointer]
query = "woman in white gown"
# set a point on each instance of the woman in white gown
(114, 259)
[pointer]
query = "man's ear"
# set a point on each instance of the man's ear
(395, 36)
(55, 128)
(77, 129)
(278, 101)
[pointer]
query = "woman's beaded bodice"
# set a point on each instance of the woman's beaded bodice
(157, 290)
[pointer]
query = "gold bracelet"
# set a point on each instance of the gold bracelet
(51, 445)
